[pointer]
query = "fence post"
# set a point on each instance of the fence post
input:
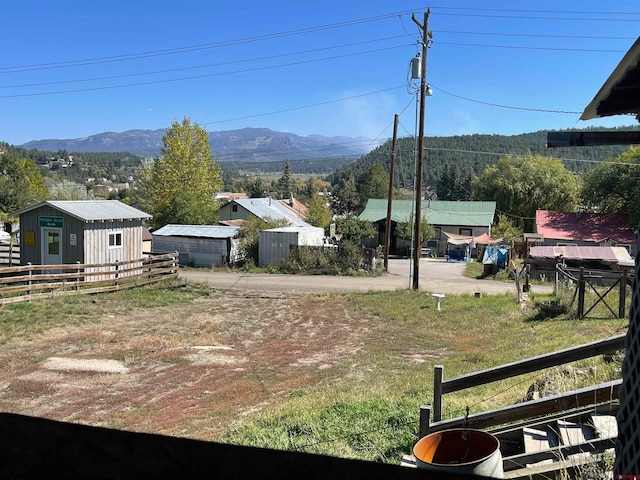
(437, 393)
(116, 282)
(425, 416)
(30, 281)
(623, 294)
(77, 274)
(11, 254)
(581, 287)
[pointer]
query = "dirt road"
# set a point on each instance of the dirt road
(436, 276)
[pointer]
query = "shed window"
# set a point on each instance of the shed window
(115, 239)
(234, 208)
(466, 231)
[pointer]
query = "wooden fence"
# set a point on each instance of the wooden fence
(524, 410)
(9, 254)
(24, 283)
(571, 284)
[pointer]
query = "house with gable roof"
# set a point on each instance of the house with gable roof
(585, 229)
(462, 218)
(291, 210)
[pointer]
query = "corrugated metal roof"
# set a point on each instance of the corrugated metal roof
(437, 212)
(92, 210)
(592, 227)
(202, 231)
(606, 254)
(266, 207)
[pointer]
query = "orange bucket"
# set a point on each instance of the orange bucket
(460, 450)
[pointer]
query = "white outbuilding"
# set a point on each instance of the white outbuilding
(275, 243)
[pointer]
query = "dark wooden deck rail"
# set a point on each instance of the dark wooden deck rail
(27, 282)
(524, 410)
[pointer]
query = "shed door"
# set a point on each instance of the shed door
(51, 246)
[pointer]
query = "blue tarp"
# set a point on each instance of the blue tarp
(457, 255)
(495, 256)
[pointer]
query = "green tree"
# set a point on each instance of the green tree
(354, 229)
(405, 230)
(255, 188)
(284, 183)
(344, 198)
(506, 229)
(448, 185)
(180, 187)
(21, 184)
(319, 212)
(522, 185)
(614, 186)
(372, 183)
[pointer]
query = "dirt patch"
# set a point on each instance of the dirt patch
(189, 370)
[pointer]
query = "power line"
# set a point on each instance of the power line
(195, 77)
(534, 35)
(543, 110)
(302, 107)
(115, 58)
(270, 57)
(227, 43)
(521, 47)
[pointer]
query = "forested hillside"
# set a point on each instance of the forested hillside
(472, 153)
(469, 153)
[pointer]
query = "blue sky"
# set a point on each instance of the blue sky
(70, 69)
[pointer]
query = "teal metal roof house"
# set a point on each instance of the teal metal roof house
(460, 218)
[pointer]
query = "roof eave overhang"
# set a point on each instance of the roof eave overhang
(620, 94)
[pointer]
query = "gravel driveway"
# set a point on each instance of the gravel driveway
(436, 276)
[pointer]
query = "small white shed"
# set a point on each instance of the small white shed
(275, 243)
(198, 245)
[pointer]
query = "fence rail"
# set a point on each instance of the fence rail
(27, 282)
(9, 254)
(524, 409)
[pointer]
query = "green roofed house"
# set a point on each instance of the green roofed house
(470, 219)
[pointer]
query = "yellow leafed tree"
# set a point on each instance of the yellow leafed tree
(181, 185)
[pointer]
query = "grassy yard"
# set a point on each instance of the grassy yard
(342, 375)
(372, 411)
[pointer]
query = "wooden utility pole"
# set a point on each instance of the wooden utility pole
(417, 244)
(387, 230)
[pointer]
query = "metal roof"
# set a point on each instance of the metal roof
(202, 231)
(592, 227)
(615, 255)
(437, 212)
(92, 210)
(267, 207)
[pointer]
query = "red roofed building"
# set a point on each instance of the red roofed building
(567, 228)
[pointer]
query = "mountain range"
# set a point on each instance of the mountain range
(243, 145)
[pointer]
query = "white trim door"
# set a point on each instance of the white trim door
(51, 246)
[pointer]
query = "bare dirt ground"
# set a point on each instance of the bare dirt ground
(187, 370)
(191, 370)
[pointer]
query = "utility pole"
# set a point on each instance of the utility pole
(417, 244)
(387, 230)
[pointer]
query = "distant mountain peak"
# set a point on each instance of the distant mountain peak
(249, 144)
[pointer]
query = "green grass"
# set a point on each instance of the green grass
(369, 407)
(28, 318)
(372, 412)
